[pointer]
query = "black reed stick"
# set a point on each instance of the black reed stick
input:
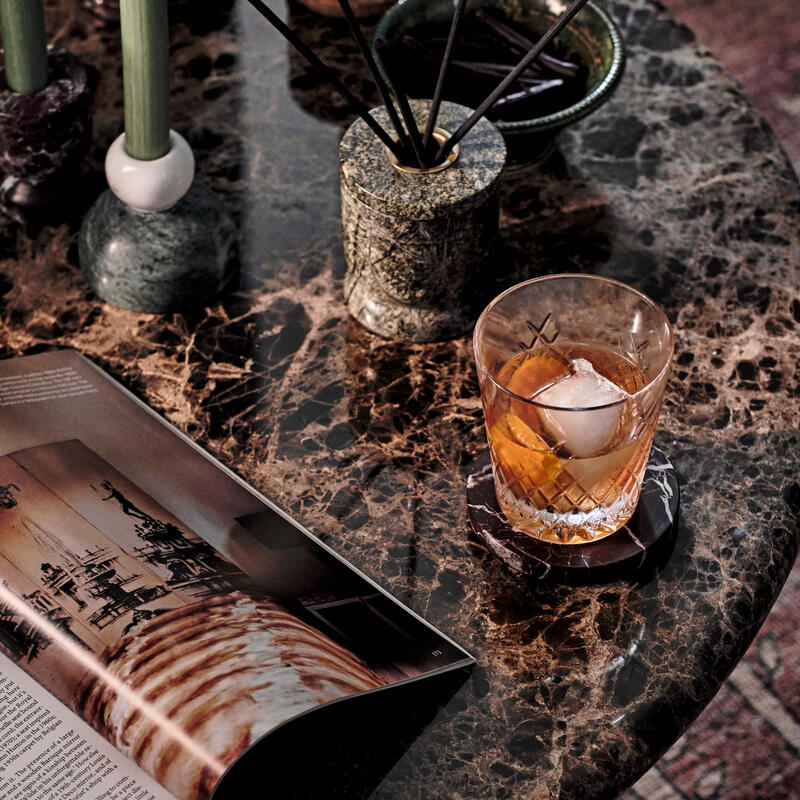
(405, 108)
(527, 93)
(509, 35)
(498, 70)
(523, 44)
(304, 50)
(473, 118)
(433, 114)
(533, 75)
(358, 36)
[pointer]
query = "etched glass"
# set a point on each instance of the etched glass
(572, 370)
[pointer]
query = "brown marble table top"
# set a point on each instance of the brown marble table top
(676, 186)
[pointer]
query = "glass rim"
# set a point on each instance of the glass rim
(572, 276)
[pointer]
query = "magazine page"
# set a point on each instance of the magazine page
(49, 752)
(171, 607)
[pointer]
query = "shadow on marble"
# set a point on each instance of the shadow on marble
(330, 39)
(552, 221)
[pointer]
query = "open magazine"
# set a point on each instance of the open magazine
(179, 613)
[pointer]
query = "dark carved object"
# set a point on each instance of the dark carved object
(43, 139)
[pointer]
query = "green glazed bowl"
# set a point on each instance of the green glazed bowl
(592, 35)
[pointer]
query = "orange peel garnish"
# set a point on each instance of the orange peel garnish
(522, 434)
(535, 373)
(521, 465)
(530, 378)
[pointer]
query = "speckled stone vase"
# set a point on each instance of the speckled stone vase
(159, 261)
(43, 139)
(417, 245)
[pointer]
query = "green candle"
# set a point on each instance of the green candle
(145, 72)
(24, 45)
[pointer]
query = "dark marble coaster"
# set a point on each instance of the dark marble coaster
(653, 517)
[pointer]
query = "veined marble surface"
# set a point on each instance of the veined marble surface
(676, 186)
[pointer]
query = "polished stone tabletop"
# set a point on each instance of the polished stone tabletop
(676, 186)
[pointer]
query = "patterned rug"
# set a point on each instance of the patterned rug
(746, 744)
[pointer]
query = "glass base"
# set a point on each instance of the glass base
(575, 527)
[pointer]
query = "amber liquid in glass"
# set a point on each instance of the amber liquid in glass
(568, 476)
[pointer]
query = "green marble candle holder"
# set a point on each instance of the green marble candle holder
(417, 244)
(157, 262)
(156, 241)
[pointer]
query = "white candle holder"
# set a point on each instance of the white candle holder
(156, 241)
(150, 185)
